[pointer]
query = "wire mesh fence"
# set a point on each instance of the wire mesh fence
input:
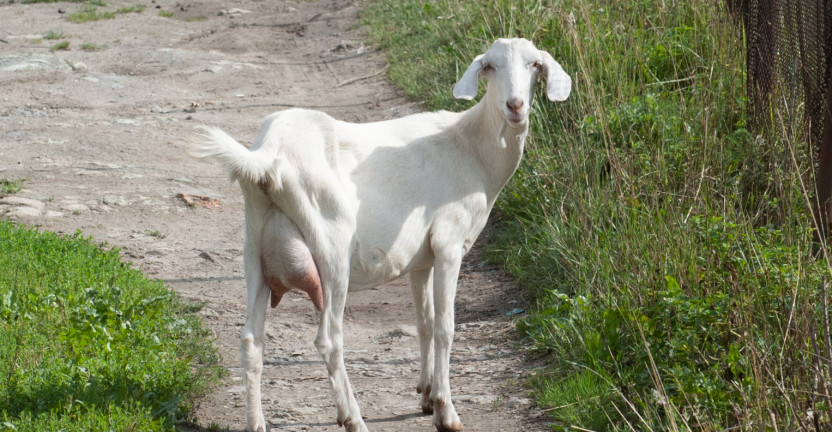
(789, 65)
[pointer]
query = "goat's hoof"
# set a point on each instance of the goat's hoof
(427, 403)
(445, 418)
(352, 426)
(258, 425)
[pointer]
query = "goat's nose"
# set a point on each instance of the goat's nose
(514, 104)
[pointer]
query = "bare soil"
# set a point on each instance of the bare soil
(98, 136)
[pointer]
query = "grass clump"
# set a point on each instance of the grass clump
(90, 344)
(89, 46)
(165, 14)
(89, 13)
(668, 244)
(130, 9)
(50, 35)
(60, 46)
(10, 186)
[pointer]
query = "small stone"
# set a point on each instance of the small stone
(26, 202)
(53, 214)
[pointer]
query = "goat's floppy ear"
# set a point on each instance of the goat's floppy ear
(558, 83)
(466, 87)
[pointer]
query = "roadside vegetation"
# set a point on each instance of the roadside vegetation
(90, 344)
(667, 243)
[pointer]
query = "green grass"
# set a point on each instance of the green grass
(60, 46)
(165, 14)
(90, 344)
(667, 243)
(10, 186)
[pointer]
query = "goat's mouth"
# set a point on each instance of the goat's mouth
(516, 119)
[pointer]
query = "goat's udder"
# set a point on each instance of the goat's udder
(308, 283)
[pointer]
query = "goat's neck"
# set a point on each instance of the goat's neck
(496, 146)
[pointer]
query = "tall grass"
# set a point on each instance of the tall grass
(668, 245)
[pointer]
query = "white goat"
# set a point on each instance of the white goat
(333, 206)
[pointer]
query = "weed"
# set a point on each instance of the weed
(8, 187)
(60, 46)
(89, 46)
(50, 35)
(156, 233)
(130, 9)
(89, 13)
(215, 427)
(196, 19)
(165, 14)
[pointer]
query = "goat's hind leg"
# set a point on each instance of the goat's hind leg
(421, 284)
(251, 346)
(330, 343)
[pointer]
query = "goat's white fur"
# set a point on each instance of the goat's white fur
(363, 204)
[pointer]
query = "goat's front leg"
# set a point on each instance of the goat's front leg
(446, 271)
(251, 346)
(421, 283)
(330, 343)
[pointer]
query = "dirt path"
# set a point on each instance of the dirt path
(97, 135)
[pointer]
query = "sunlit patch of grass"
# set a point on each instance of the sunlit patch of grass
(91, 344)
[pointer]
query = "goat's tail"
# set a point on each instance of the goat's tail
(242, 164)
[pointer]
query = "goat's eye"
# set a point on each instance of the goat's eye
(487, 67)
(537, 66)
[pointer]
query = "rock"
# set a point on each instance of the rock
(76, 66)
(26, 202)
(115, 201)
(517, 403)
(53, 214)
(24, 213)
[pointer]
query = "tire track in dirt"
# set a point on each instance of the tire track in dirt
(98, 136)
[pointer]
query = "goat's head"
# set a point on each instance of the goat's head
(512, 67)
